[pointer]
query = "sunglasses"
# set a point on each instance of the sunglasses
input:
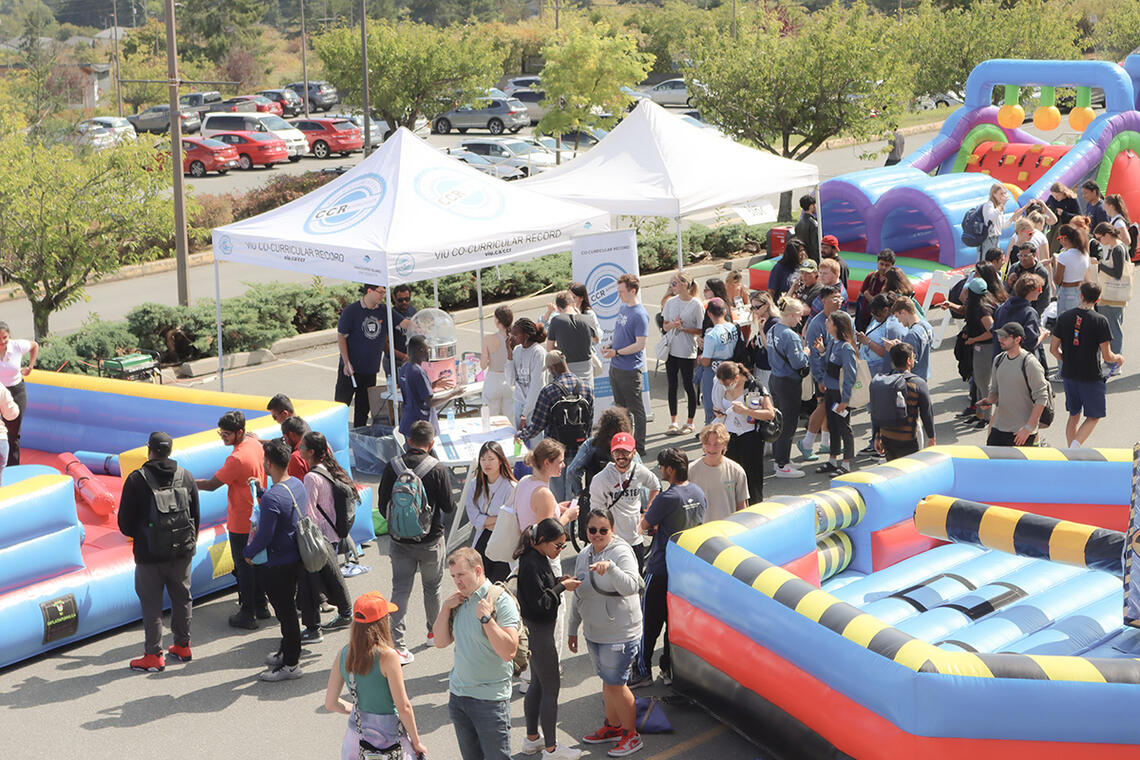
(592, 530)
(560, 547)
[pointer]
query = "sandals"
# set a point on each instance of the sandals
(672, 429)
(686, 428)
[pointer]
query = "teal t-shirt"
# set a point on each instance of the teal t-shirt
(479, 673)
(372, 692)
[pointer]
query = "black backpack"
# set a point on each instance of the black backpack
(570, 419)
(888, 399)
(975, 228)
(740, 352)
(345, 499)
(169, 528)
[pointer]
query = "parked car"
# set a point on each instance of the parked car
(328, 136)
(255, 148)
(496, 116)
(322, 95)
(204, 154)
(120, 127)
(90, 135)
(209, 102)
(941, 100)
(532, 99)
(261, 104)
(272, 124)
(502, 171)
(156, 119)
(511, 151)
(526, 81)
(583, 139)
(290, 102)
(671, 92)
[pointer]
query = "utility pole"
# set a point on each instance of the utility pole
(734, 19)
(304, 61)
(558, 11)
(175, 133)
(115, 35)
(364, 78)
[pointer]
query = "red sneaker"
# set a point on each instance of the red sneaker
(606, 733)
(630, 743)
(149, 663)
(180, 653)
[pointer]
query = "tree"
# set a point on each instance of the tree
(1117, 29)
(209, 28)
(447, 12)
(583, 77)
(91, 214)
(37, 88)
(944, 46)
(839, 73)
(413, 69)
(666, 32)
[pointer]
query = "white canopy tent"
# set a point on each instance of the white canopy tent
(406, 213)
(655, 163)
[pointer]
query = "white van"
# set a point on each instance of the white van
(294, 138)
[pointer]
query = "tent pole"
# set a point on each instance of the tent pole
(435, 290)
(218, 319)
(392, 384)
(819, 217)
(479, 296)
(680, 253)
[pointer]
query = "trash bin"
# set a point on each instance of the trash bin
(777, 239)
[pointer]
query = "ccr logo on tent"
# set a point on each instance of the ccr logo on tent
(471, 196)
(347, 206)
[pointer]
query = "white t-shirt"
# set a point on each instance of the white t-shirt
(735, 422)
(10, 362)
(1075, 264)
(683, 345)
(1038, 239)
(627, 509)
(995, 217)
(724, 487)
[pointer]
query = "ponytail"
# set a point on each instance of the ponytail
(547, 529)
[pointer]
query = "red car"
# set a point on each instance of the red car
(262, 103)
(202, 154)
(255, 148)
(328, 136)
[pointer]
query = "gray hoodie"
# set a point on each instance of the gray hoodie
(607, 619)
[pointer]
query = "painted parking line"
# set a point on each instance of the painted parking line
(688, 744)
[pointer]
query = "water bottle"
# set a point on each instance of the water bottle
(451, 416)
(900, 405)
(486, 410)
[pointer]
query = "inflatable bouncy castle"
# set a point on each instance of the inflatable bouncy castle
(916, 207)
(66, 572)
(961, 602)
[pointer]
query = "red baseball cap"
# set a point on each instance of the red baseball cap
(371, 607)
(623, 441)
(830, 240)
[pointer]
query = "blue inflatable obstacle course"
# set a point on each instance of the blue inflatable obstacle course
(916, 207)
(961, 602)
(66, 572)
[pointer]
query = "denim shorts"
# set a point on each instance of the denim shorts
(1087, 396)
(613, 662)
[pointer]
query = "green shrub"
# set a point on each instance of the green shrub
(57, 355)
(99, 339)
(277, 192)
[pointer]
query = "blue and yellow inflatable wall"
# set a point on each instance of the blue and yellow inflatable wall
(831, 626)
(65, 571)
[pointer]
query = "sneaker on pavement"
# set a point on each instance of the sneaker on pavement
(406, 657)
(180, 653)
(340, 621)
(275, 660)
(281, 673)
(263, 612)
(326, 608)
(533, 746)
(807, 452)
(244, 620)
(149, 663)
(562, 753)
(869, 449)
(787, 471)
(640, 680)
(605, 734)
(312, 636)
(630, 743)
(827, 468)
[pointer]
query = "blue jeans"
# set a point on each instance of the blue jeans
(708, 377)
(482, 727)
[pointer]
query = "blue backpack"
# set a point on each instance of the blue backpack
(975, 228)
(409, 513)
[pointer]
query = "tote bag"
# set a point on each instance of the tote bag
(506, 533)
(861, 393)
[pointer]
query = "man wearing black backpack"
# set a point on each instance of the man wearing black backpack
(564, 411)
(1019, 391)
(415, 491)
(158, 511)
(898, 401)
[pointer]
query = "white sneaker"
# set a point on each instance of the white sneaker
(406, 657)
(281, 673)
(533, 746)
(562, 753)
(787, 471)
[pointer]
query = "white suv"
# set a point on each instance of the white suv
(526, 157)
(295, 141)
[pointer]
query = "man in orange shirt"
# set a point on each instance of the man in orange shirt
(247, 461)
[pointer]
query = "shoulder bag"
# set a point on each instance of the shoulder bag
(506, 533)
(367, 751)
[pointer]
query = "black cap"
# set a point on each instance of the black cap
(160, 443)
(1010, 330)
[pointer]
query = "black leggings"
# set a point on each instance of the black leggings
(674, 365)
(839, 427)
(786, 398)
(747, 450)
(19, 393)
(541, 702)
(654, 613)
(329, 580)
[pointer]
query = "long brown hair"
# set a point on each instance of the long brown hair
(365, 642)
(481, 484)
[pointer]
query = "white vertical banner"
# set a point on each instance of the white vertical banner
(598, 260)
